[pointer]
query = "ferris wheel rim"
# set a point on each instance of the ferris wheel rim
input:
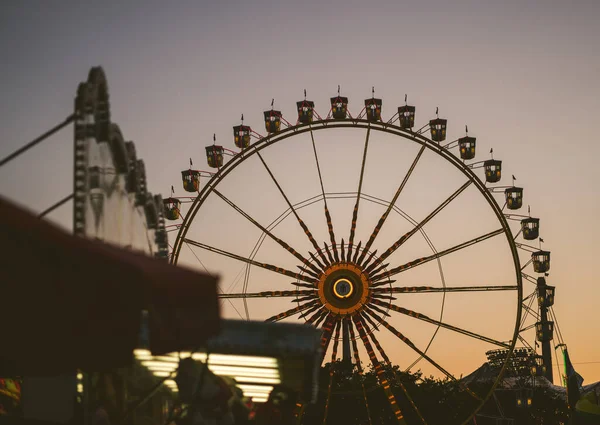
(388, 128)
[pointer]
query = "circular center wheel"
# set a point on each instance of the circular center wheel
(431, 291)
(343, 288)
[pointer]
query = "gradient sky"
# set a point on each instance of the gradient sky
(522, 74)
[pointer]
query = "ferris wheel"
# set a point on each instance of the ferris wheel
(359, 264)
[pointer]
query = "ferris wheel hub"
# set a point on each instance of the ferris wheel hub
(343, 288)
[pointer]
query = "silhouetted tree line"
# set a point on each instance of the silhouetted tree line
(440, 401)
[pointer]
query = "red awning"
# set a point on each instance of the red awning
(67, 302)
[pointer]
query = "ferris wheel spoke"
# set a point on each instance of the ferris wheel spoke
(283, 244)
(421, 353)
(358, 366)
(444, 325)
(328, 252)
(270, 267)
(378, 309)
(315, 307)
(390, 206)
(369, 258)
(304, 269)
(358, 322)
(269, 294)
(292, 311)
(307, 232)
(312, 319)
(321, 319)
(423, 260)
(428, 289)
(356, 251)
(316, 261)
(414, 230)
(374, 327)
(330, 322)
(360, 182)
(327, 214)
(385, 357)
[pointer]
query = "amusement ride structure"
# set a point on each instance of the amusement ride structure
(347, 286)
(343, 284)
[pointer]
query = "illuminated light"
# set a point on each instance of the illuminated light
(243, 360)
(161, 368)
(257, 380)
(259, 399)
(264, 388)
(151, 363)
(168, 359)
(170, 382)
(161, 374)
(80, 388)
(199, 356)
(141, 353)
(80, 376)
(252, 394)
(246, 371)
(229, 359)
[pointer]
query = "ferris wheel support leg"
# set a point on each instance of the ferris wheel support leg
(39, 139)
(390, 365)
(360, 370)
(346, 354)
(358, 322)
(56, 205)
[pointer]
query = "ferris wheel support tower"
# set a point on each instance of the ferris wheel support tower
(545, 327)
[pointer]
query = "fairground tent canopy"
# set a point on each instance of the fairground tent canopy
(69, 303)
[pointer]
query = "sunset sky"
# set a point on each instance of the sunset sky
(523, 75)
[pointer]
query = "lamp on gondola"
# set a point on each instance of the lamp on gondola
(544, 331)
(305, 110)
(545, 293)
(339, 106)
(537, 367)
(214, 154)
(493, 169)
(541, 261)
(172, 208)
(373, 107)
(272, 119)
(466, 145)
(241, 135)
(524, 397)
(514, 196)
(406, 114)
(530, 227)
(437, 127)
(190, 179)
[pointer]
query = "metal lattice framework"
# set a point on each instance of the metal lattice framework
(343, 286)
